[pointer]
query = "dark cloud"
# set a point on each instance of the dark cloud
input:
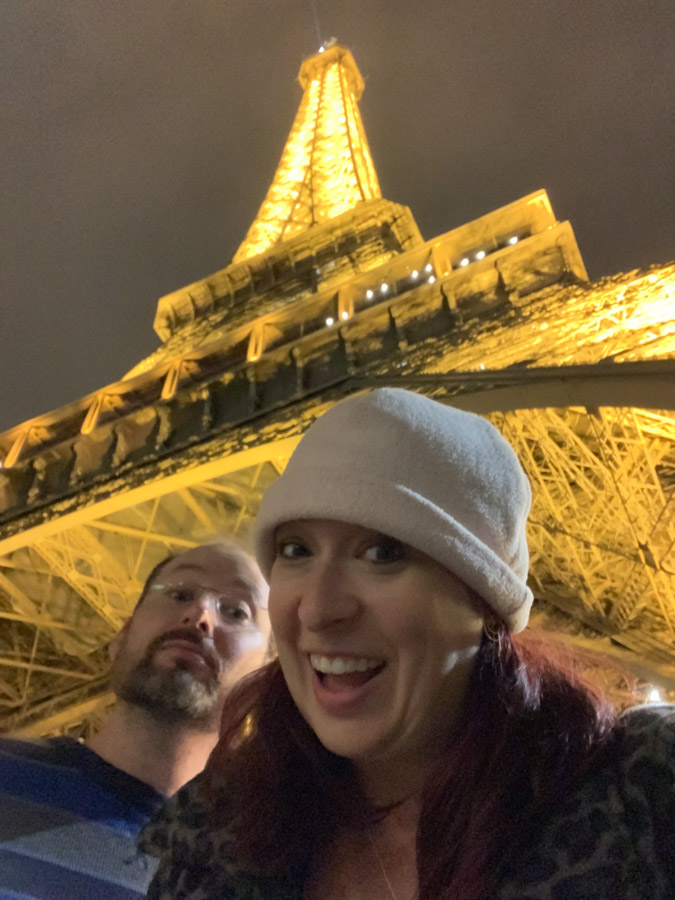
(140, 137)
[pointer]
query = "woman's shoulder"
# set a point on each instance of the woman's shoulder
(632, 780)
(195, 859)
(182, 819)
(645, 749)
(609, 834)
(653, 723)
(194, 838)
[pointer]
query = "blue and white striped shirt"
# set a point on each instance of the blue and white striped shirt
(69, 823)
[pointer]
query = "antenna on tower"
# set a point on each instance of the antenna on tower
(312, 3)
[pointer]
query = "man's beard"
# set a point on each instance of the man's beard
(169, 694)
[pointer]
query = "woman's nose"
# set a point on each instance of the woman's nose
(325, 598)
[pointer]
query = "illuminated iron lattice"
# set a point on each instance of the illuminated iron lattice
(335, 290)
(602, 528)
(326, 167)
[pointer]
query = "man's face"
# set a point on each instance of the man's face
(195, 633)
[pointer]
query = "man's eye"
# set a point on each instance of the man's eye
(237, 615)
(385, 551)
(292, 550)
(180, 595)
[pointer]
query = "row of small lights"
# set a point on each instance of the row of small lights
(384, 287)
(415, 275)
(331, 321)
(427, 273)
(481, 254)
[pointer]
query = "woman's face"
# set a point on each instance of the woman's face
(375, 639)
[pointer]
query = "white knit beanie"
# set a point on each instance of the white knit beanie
(440, 479)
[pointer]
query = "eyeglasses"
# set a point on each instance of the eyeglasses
(237, 613)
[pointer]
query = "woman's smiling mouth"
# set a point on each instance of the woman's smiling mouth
(344, 674)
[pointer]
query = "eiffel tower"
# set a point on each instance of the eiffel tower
(334, 290)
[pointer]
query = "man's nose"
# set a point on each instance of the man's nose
(326, 597)
(202, 613)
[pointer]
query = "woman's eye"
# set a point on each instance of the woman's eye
(388, 551)
(292, 550)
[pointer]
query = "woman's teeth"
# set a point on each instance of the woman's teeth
(339, 665)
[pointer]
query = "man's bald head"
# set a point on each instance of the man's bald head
(199, 626)
(245, 564)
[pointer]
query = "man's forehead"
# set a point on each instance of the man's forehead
(225, 567)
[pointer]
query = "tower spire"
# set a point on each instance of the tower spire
(326, 167)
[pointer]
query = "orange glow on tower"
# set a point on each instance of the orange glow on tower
(326, 167)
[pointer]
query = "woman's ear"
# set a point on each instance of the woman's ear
(492, 626)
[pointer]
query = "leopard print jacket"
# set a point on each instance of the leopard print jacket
(611, 839)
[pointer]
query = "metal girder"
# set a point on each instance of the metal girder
(36, 667)
(81, 561)
(18, 597)
(199, 510)
(64, 720)
(150, 490)
(135, 539)
(166, 539)
(598, 479)
(60, 712)
(647, 384)
(38, 621)
(10, 691)
(602, 526)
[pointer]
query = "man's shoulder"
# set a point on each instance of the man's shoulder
(31, 768)
(64, 773)
(69, 822)
(47, 751)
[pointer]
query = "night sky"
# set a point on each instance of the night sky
(140, 136)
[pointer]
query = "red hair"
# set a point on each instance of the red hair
(528, 729)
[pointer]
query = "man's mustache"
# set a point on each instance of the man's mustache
(202, 644)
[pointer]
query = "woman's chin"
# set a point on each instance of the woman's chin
(361, 746)
(350, 743)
